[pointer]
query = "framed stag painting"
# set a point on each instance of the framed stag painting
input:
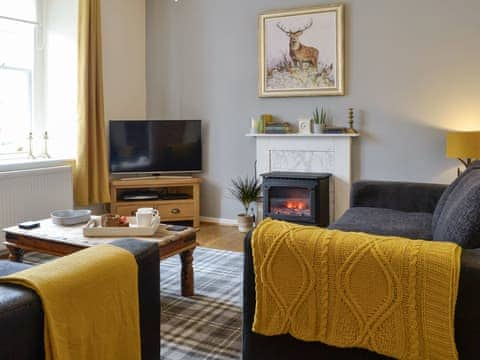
(301, 52)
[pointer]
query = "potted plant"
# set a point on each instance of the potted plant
(323, 119)
(316, 122)
(319, 120)
(246, 190)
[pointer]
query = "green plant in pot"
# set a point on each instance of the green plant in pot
(316, 121)
(319, 120)
(246, 190)
(323, 119)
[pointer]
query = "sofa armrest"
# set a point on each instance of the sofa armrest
(402, 196)
(148, 260)
(21, 323)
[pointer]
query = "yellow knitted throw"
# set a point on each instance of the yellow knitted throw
(90, 304)
(390, 295)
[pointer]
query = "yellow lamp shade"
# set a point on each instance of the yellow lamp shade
(463, 144)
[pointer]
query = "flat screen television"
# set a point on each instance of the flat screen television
(155, 146)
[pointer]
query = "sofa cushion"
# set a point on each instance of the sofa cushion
(443, 199)
(10, 267)
(457, 217)
(388, 222)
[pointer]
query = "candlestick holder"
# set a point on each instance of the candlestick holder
(45, 153)
(30, 146)
(351, 129)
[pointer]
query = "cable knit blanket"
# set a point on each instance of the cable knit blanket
(90, 304)
(390, 295)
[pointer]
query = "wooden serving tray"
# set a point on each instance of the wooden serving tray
(94, 229)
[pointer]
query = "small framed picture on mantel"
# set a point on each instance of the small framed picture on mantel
(301, 52)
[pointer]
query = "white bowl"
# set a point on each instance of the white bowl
(70, 217)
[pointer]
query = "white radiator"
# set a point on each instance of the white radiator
(33, 194)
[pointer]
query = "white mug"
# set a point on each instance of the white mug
(148, 210)
(146, 218)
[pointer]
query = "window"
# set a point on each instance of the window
(38, 78)
(19, 56)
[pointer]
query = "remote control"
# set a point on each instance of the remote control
(29, 225)
(176, 228)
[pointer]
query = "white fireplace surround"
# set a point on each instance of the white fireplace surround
(323, 153)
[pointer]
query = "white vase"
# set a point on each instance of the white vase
(245, 223)
(317, 129)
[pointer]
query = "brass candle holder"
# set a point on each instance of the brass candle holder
(351, 129)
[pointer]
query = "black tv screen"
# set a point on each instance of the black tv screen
(155, 146)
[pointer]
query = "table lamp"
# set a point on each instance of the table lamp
(464, 146)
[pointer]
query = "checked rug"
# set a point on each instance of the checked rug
(207, 325)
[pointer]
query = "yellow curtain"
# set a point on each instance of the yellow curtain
(91, 172)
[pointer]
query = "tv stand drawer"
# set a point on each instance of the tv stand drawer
(175, 211)
(128, 210)
(169, 211)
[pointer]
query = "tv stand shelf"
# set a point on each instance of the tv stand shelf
(185, 209)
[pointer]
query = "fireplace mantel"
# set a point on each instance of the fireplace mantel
(322, 153)
(298, 135)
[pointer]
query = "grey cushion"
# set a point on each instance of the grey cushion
(448, 191)
(380, 221)
(457, 216)
(9, 267)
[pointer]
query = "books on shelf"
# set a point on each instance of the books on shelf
(277, 128)
(334, 130)
(285, 128)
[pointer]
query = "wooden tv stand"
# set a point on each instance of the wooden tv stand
(187, 209)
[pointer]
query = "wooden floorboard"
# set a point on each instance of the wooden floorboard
(220, 237)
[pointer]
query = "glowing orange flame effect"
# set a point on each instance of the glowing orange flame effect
(300, 205)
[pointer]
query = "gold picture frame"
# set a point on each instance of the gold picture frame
(301, 52)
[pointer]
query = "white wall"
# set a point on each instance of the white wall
(412, 72)
(123, 31)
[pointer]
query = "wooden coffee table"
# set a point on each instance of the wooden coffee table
(63, 240)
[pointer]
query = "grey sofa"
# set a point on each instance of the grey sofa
(416, 211)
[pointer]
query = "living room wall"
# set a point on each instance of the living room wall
(123, 35)
(412, 72)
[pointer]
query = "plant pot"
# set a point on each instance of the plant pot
(317, 129)
(245, 223)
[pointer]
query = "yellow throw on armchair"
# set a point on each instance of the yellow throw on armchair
(390, 295)
(90, 304)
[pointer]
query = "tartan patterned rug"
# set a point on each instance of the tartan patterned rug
(207, 325)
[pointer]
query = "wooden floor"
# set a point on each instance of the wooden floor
(220, 237)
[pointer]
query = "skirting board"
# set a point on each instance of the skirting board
(220, 221)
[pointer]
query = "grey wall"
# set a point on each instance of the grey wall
(413, 71)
